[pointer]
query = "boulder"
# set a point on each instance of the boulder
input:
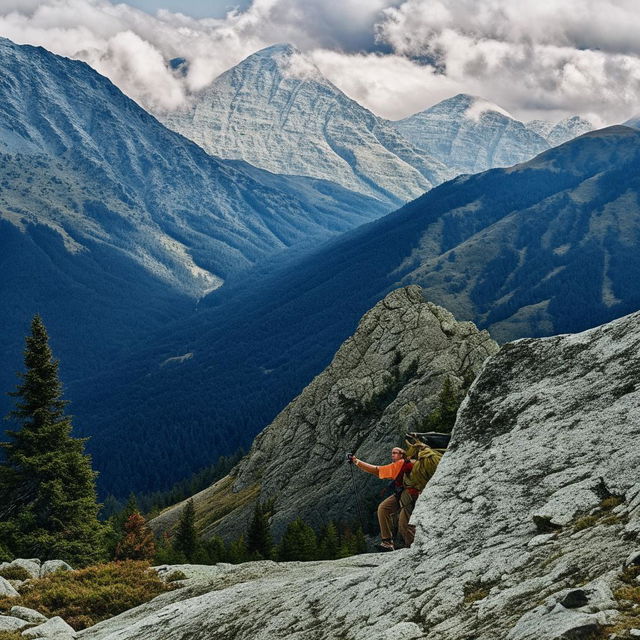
(32, 565)
(53, 629)
(30, 615)
(51, 566)
(6, 589)
(11, 623)
(383, 382)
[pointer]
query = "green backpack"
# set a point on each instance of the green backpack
(425, 465)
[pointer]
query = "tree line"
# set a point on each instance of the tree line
(49, 507)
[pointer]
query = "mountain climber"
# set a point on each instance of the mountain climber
(410, 471)
(398, 503)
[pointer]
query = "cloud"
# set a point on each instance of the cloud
(545, 59)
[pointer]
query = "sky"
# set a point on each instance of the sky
(535, 58)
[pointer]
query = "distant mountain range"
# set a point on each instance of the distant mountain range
(277, 111)
(111, 224)
(546, 247)
(469, 134)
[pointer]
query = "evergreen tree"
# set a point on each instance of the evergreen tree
(443, 417)
(237, 551)
(48, 504)
(186, 537)
(116, 530)
(138, 542)
(329, 542)
(215, 550)
(166, 554)
(298, 542)
(259, 539)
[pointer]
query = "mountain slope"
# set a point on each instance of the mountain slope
(545, 247)
(469, 134)
(276, 111)
(112, 225)
(382, 382)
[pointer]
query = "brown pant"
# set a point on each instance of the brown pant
(403, 507)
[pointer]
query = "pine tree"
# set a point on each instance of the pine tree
(215, 550)
(138, 542)
(186, 537)
(237, 551)
(329, 542)
(48, 504)
(298, 542)
(259, 539)
(444, 416)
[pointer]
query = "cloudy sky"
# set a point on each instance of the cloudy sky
(535, 58)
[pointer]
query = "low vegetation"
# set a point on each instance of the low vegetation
(87, 596)
(602, 514)
(14, 573)
(628, 598)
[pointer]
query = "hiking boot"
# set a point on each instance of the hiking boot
(386, 545)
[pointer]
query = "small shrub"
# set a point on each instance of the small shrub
(585, 522)
(474, 591)
(88, 596)
(15, 573)
(630, 574)
(11, 635)
(175, 576)
(611, 502)
(629, 593)
(610, 519)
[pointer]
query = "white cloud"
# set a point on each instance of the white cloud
(548, 58)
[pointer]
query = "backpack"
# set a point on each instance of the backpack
(426, 462)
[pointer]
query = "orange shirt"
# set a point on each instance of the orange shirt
(392, 470)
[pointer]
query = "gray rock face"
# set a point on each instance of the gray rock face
(31, 565)
(11, 623)
(382, 382)
(276, 111)
(543, 419)
(568, 129)
(51, 566)
(469, 135)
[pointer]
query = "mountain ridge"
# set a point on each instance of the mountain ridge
(276, 111)
(122, 223)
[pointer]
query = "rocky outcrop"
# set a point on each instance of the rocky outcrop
(547, 443)
(382, 382)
